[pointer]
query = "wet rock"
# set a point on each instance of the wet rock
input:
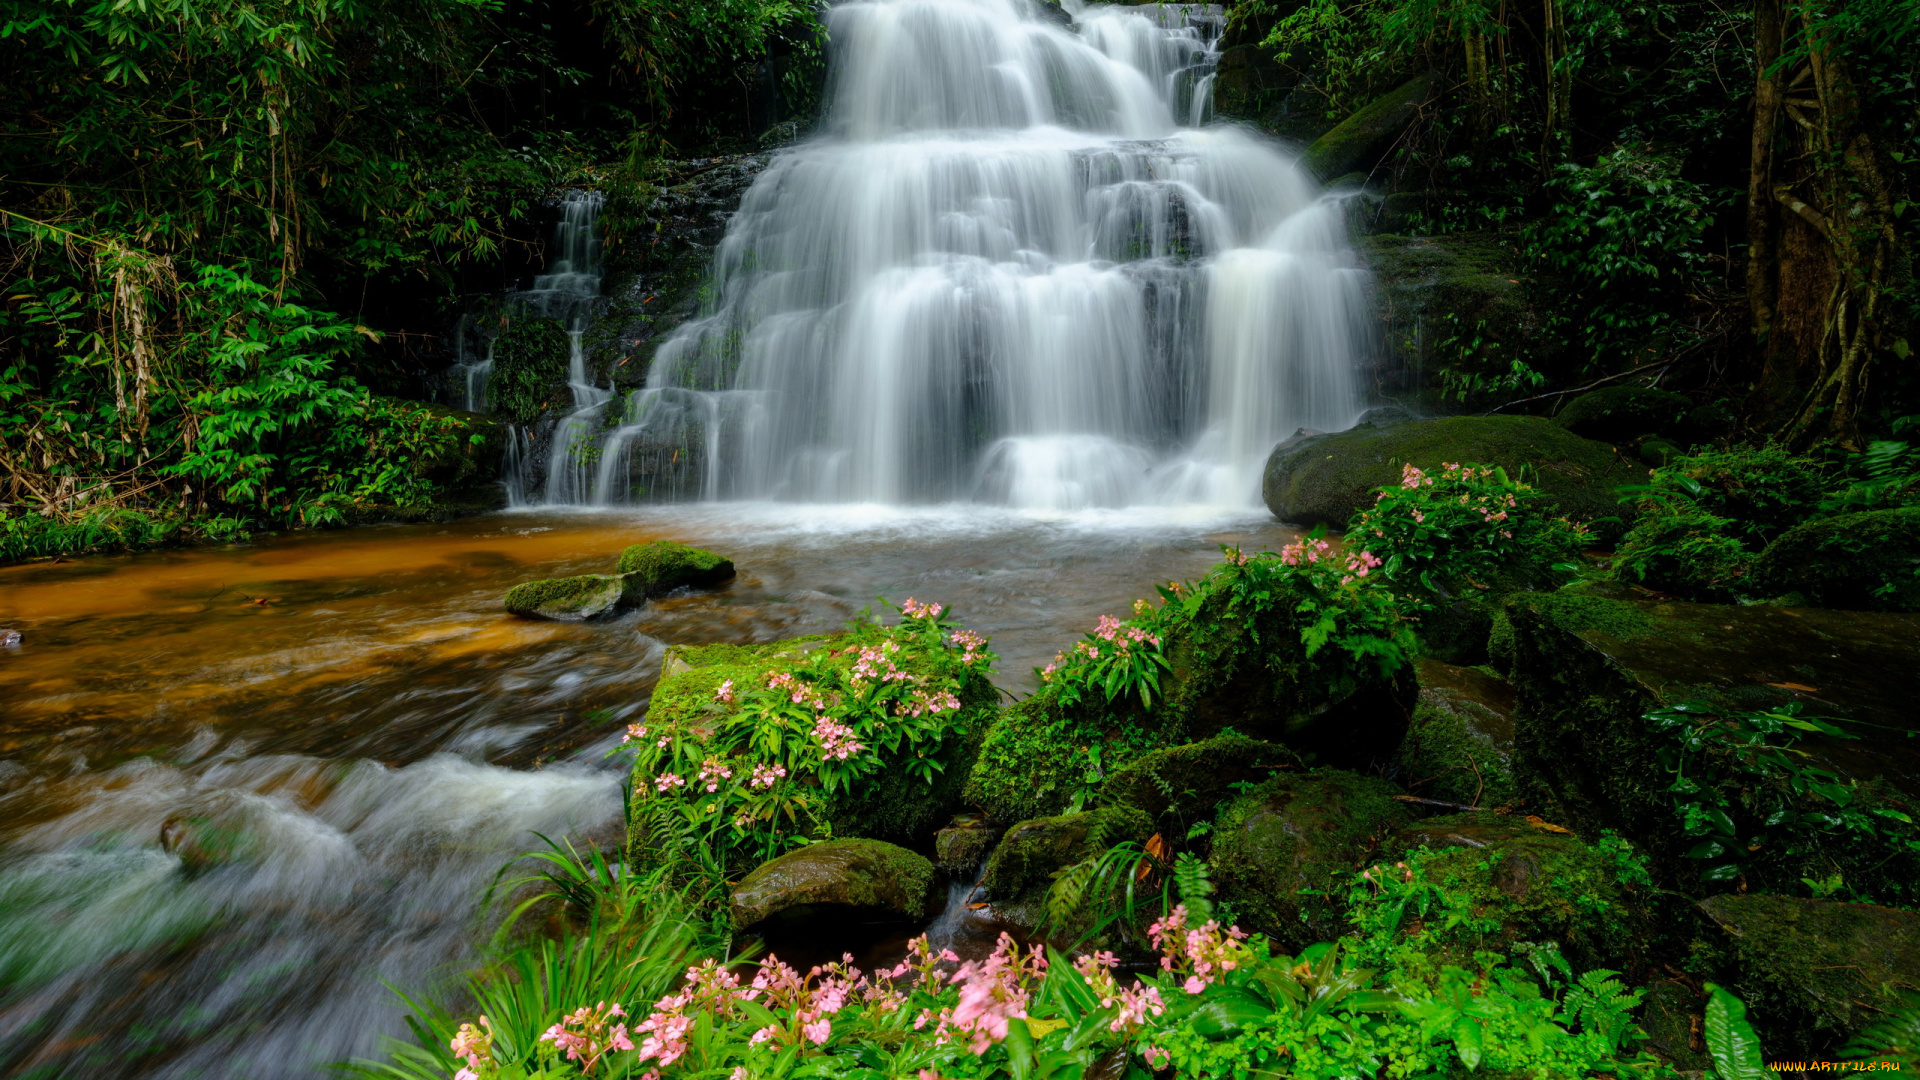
(1860, 562)
(869, 875)
(9, 638)
(1459, 747)
(1358, 142)
(571, 599)
(1672, 1014)
(662, 566)
(1023, 864)
(1300, 832)
(1587, 667)
(1619, 414)
(1327, 478)
(1815, 972)
(963, 845)
(1192, 780)
(529, 373)
(1529, 883)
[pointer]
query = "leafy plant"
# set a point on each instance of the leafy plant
(1731, 1039)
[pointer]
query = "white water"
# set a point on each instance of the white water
(1004, 274)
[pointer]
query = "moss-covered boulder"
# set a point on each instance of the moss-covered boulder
(1587, 667)
(1325, 479)
(1815, 972)
(1507, 879)
(1868, 561)
(1459, 747)
(1359, 141)
(662, 566)
(570, 599)
(1619, 414)
(965, 843)
(1281, 852)
(891, 803)
(1022, 866)
(1188, 782)
(866, 875)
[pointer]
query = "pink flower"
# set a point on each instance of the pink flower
(817, 1031)
(1156, 1057)
(725, 692)
(1193, 985)
(668, 781)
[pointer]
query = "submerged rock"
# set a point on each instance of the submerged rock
(1300, 832)
(1815, 972)
(869, 875)
(1023, 864)
(659, 567)
(1459, 747)
(1861, 562)
(1588, 667)
(570, 599)
(1326, 479)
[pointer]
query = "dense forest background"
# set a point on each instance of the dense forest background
(233, 233)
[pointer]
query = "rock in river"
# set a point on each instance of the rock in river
(662, 566)
(569, 599)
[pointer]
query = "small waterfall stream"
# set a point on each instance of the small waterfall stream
(1005, 272)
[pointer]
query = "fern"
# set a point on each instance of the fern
(1195, 886)
(1730, 1038)
(1601, 1005)
(1895, 1038)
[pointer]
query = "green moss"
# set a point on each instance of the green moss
(1617, 414)
(529, 364)
(1442, 758)
(1190, 781)
(1281, 852)
(1574, 609)
(1815, 972)
(963, 845)
(1359, 140)
(581, 597)
(1861, 562)
(867, 874)
(663, 565)
(1328, 478)
(1501, 880)
(1039, 756)
(1022, 865)
(1685, 551)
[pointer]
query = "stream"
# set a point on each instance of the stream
(245, 790)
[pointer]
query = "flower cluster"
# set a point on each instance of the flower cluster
(1111, 638)
(764, 775)
(924, 702)
(724, 693)
(973, 645)
(589, 1033)
(1351, 565)
(991, 994)
(476, 1045)
(837, 742)
(668, 781)
(1133, 1004)
(915, 610)
(1204, 953)
(712, 771)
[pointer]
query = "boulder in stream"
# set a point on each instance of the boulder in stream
(1815, 972)
(659, 567)
(1297, 832)
(570, 599)
(1023, 865)
(1357, 143)
(1326, 479)
(870, 876)
(1191, 780)
(964, 844)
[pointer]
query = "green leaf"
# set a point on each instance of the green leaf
(1730, 1038)
(1466, 1040)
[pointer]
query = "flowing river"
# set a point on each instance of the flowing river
(244, 789)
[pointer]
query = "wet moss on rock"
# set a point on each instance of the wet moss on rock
(1191, 780)
(1867, 561)
(1021, 868)
(1459, 747)
(868, 875)
(567, 599)
(529, 367)
(662, 566)
(1281, 852)
(1618, 414)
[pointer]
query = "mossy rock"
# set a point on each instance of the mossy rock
(1229, 670)
(663, 566)
(1459, 748)
(1620, 414)
(1190, 781)
(867, 875)
(529, 366)
(964, 844)
(1673, 1016)
(1587, 668)
(1868, 561)
(1358, 142)
(1524, 882)
(1686, 552)
(570, 599)
(1815, 972)
(1023, 864)
(1295, 836)
(1326, 479)
(889, 804)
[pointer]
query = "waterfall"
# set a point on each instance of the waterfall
(1004, 272)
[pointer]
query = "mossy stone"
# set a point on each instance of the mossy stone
(568, 599)
(864, 874)
(1358, 142)
(964, 844)
(1531, 884)
(1459, 747)
(1191, 780)
(1868, 561)
(1281, 851)
(1815, 972)
(662, 566)
(1326, 479)
(1587, 668)
(1619, 414)
(1021, 868)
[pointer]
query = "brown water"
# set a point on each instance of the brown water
(344, 738)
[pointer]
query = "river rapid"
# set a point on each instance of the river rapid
(246, 790)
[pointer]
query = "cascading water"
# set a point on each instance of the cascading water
(1005, 274)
